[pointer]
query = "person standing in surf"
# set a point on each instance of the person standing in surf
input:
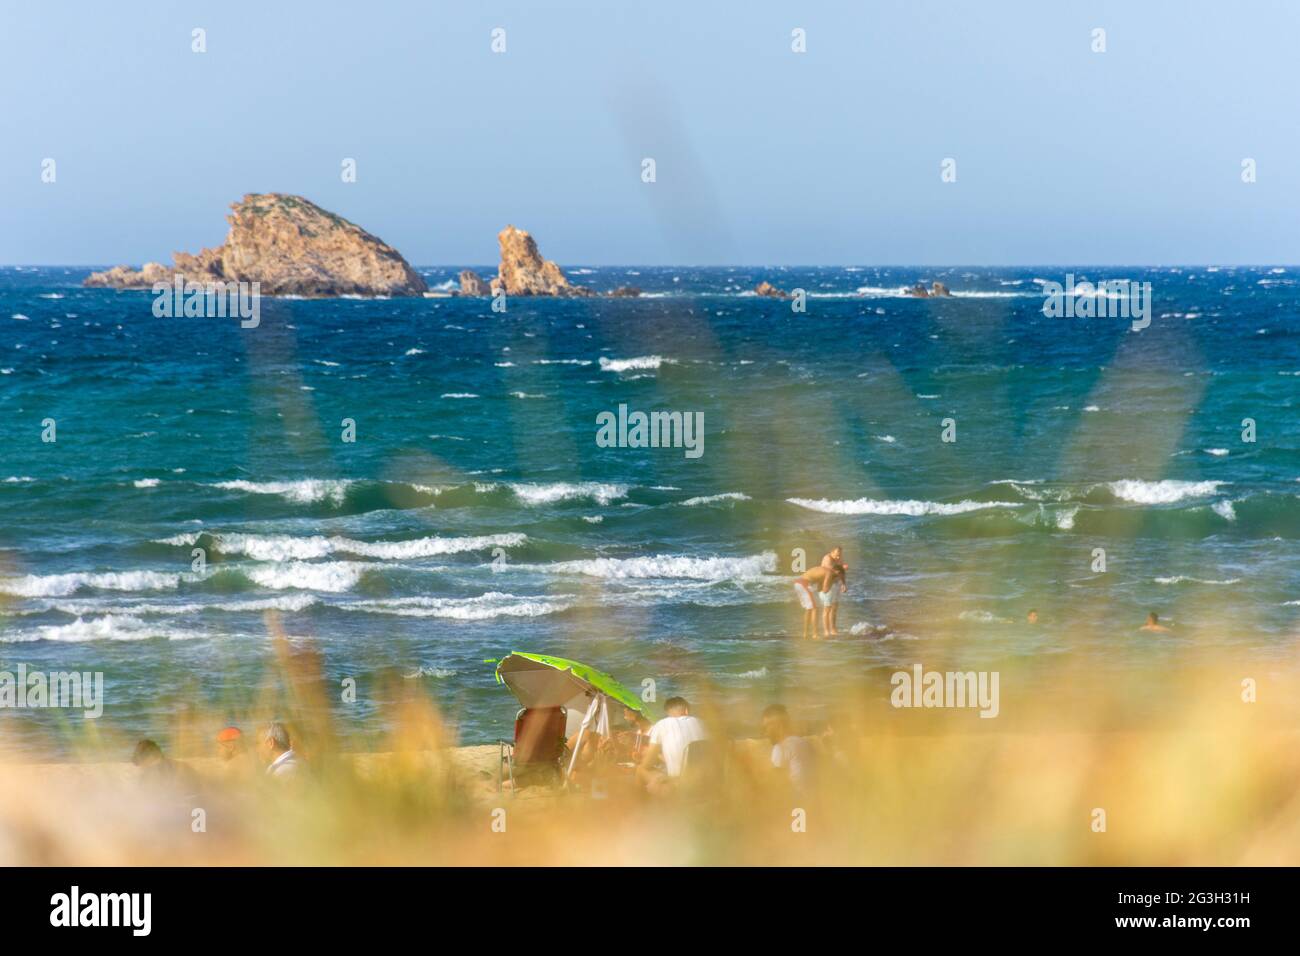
(815, 589)
(833, 560)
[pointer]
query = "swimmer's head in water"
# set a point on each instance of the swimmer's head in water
(1153, 617)
(1033, 616)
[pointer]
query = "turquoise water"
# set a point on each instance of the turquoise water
(475, 513)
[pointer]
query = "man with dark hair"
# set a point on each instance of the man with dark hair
(791, 755)
(1153, 623)
(668, 741)
(148, 754)
(156, 769)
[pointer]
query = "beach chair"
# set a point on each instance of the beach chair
(537, 752)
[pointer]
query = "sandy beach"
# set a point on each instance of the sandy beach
(1170, 798)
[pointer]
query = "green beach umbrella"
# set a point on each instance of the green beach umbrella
(540, 680)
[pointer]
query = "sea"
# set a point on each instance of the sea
(410, 488)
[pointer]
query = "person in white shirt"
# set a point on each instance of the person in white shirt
(277, 750)
(791, 755)
(669, 739)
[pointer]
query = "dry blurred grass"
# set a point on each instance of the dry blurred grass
(1212, 781)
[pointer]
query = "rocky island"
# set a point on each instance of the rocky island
(290, 246)
(522, 271)
(767, 290)
(937, 290)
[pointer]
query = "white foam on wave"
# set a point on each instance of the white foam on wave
(110, 627)
(712, 499)
(303, 491)
(1186, 579)
(1216, 452)
(61, 585)
(289, 603)
(910, 508)
(1163, 492)
(548, 493)
(145, 483)
(484, 607)
(331, 576)
(640, 363)
(712, 568)
(439, 673)
(283, 547)
(982, 617)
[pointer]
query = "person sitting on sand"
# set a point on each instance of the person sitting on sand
(158, 770)
(833, 560)
(234, 760)
(792, 756)
(230, 744)
(593, 743)
(814, 589)
(148, 757)
(669, 739)
(1153, 623)
(276, 748)
(625, 743)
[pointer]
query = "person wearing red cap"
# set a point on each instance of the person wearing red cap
(235, 759)
(230, 744)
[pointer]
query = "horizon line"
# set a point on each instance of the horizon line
(801, 265)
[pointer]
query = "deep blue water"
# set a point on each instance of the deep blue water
(475, 513)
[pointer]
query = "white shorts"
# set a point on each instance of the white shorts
(805, 596)
(830, 598)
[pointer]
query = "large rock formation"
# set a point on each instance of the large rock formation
(471, 283)
(291, 247)
(523, 271)
(770, 291)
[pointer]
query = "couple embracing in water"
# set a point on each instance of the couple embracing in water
(820, 588)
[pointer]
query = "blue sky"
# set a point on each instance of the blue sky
(763, 156)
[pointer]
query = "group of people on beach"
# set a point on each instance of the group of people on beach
(678, 751)
(274, 751)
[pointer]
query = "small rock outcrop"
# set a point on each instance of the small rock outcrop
(523, 271)
(288, 245)
(936, 290)
(471, 283)
(624, 292)
(124, 277)
(770, 291)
